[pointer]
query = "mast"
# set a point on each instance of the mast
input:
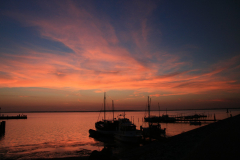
(104, 103)
(159, 109)
(149, 107)
(113, 109)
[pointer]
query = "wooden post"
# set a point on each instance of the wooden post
(2, 127)
(113, 109)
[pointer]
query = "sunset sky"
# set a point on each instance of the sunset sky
(62, 55)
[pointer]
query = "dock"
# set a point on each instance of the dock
(196, 120)
(177, 119)
(13, 117)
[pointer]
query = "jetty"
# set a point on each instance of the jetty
(20, 116)
(13, 117)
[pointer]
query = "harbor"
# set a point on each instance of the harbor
(66, 134)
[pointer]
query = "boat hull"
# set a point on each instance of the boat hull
(128, 138)
(107, 128)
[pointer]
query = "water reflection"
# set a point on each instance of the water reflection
(2, 135)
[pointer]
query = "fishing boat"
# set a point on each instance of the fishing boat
(153, 130)
(105, 127)
(164, 118)
(127, 131)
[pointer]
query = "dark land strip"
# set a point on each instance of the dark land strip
(219, 140)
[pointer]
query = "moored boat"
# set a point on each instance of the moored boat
(164, 118)
(106, 127)
(127, 132)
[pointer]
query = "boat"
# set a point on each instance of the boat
(105, 127)
(153, 130)
(127, 131)
(164, 118)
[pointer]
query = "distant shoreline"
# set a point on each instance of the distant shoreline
(120, 110)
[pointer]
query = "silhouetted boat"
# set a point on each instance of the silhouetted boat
(106, 127)
(127, 131)
(163, 118)
(153, 130)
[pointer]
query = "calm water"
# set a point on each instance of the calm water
(53, 135)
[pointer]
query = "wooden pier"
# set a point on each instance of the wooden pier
(14, 117)
(196, 120)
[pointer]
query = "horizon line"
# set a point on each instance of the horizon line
(120, 110)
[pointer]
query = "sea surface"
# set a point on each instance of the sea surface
(65, 134)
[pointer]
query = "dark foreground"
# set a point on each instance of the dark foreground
(219, 140)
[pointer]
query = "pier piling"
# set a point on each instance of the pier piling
(2, 127)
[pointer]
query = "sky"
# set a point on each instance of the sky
(60, 55)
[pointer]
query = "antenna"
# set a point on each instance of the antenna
(113, 109)
(159, 109)
(149, 107)
(104, 102)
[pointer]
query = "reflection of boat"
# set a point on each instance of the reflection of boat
(106, 127)
(127, 131)
(153, 131)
